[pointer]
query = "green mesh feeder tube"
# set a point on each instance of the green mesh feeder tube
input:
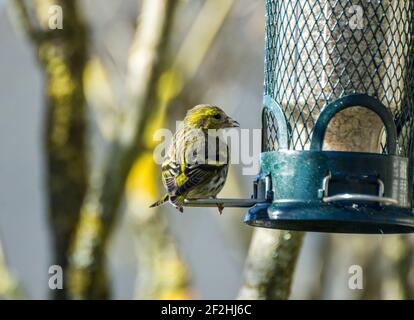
(337, 117)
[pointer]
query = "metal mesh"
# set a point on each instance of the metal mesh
(317, 51)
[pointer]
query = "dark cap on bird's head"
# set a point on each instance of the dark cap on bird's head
(205, 116)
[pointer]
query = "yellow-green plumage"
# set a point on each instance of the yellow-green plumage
(197, 162)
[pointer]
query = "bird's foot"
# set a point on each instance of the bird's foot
(181, 209)
(220, 207)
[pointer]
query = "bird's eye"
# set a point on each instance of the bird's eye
(217, 116)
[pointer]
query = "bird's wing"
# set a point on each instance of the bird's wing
(170, 171)
(180, 179)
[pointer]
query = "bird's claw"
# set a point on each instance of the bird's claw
(181, 209)
(220, 207)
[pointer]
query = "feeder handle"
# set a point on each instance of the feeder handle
(354, 100)
(357, 196)
(284, 130)
(360, 197)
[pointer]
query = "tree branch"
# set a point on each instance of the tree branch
(270, 264)
(105, 193)
(162, 273)
(62, 53)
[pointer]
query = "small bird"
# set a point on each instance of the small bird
(197, 161)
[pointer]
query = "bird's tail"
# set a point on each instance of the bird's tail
(163, 200)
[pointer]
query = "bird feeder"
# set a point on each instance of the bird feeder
(337, 149)
(337, 118)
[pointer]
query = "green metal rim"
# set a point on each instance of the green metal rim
(334, 219)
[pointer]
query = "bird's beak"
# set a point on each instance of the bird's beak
(231, 123)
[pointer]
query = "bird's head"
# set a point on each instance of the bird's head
(205, 116)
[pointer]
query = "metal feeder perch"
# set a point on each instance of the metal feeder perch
(337, 142)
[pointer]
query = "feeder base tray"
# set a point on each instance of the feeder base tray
(331, 218)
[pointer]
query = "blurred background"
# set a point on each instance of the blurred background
(78, 109)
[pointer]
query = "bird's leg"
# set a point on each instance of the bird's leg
(179, 208)
(220, 206)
